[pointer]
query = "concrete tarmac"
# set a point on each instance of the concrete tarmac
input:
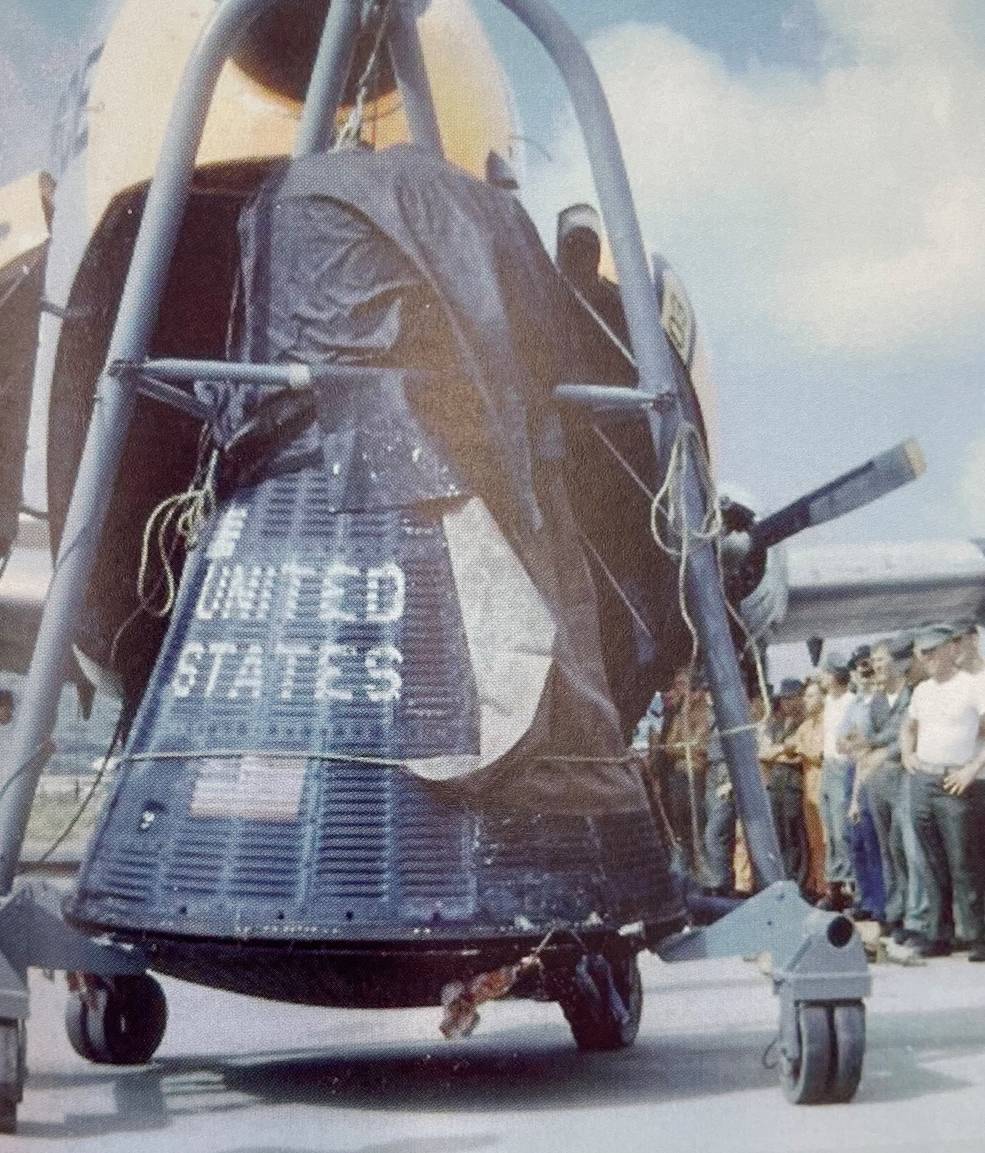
(235, 1075)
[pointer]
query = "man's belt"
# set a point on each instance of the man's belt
(933, 769)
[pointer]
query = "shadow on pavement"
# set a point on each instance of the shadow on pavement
(505, 1070)
(458, 1144)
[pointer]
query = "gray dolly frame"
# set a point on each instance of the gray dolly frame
(816, 959)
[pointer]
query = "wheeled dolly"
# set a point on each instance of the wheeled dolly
(820, 976)
(34, 935)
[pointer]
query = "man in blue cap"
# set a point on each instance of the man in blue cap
(943, 752)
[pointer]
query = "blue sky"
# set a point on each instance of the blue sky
(816, 173)
(814, 169)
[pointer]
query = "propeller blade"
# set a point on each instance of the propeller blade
(851, 490)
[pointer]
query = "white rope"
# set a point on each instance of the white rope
(628, 758)
(669, 513)
(688, 445)
(184, 515)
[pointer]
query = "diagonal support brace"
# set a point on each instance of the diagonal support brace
(816, 956)
(33, 934)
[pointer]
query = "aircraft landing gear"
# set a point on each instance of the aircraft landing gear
(602, 1001)
(115, 1020)
(826, 1064)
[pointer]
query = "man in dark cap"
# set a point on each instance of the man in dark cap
(870, 895)
(785, 778)
(879, 769)
(917, 906)
(942, 750)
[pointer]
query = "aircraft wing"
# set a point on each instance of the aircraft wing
(862, 589)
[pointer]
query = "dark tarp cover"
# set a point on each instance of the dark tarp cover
(398, 260)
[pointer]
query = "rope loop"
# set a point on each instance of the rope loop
(178, 519)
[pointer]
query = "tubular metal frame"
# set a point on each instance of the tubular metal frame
(140, 303)
(31, 932)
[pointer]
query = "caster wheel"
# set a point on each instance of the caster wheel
(589, 1009)
(832, 1048)
(121, 1022)
(8, 1117)
(848, 1030)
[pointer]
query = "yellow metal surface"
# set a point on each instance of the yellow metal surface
(137, 78)
(23, 227)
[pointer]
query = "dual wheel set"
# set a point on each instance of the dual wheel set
(13, 1070)
(121, 1021)
(828, 1066)
(825, 1069)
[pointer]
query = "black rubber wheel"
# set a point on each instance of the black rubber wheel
(848, 1032)
(595, 1032)
(8, 1117)
(13, 1038)
(124, 1023)
(805, 1081)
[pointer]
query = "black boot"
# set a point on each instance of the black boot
(836, 899)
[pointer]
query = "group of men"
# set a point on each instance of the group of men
(875, 770)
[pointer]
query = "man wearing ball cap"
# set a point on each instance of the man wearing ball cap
(942, 753)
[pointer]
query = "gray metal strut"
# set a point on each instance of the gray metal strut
(657, 375)
(32, 931)
(816, 958)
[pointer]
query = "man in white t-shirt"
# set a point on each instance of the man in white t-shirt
(835, 769)
(969, 650)
(942, 752)
(970, 659)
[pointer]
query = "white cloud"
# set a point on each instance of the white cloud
(842, 210)
(972, 486)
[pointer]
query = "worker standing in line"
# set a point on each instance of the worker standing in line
(839, 875)
(870, 889)
(784, 778)
(809, 746)
(880, 769)
(720, 819)
(943, 753)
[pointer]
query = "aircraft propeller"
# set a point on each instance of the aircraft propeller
(748, 539)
